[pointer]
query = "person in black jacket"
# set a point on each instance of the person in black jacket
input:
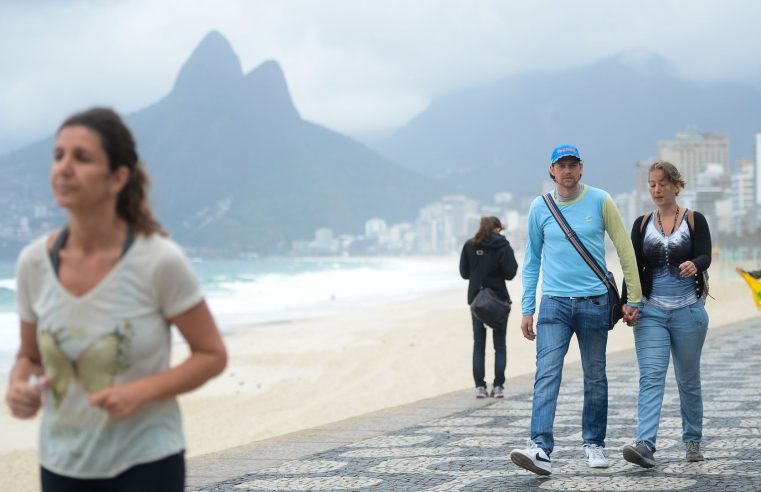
(673, 250)
(487, 260)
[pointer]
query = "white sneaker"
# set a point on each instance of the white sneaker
(481, 392)
(532, 458)
(596, 456)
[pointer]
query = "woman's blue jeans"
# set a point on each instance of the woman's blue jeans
(559, 319)
(479, 352)
(658, 334)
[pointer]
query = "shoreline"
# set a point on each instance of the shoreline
(294, 375)
(239, 308)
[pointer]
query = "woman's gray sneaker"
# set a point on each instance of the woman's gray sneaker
(481, 392)
(693, 451)
(640, 454)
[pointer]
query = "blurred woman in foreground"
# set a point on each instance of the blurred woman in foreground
(96, 300)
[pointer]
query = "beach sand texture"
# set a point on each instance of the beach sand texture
(284, 377)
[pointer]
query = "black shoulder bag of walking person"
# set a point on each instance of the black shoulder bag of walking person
(615, 309)
(487, 306)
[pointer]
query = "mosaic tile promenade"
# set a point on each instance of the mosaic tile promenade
(468, 449)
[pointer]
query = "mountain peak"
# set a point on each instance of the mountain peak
(270, 67)
(267, 89)
(641, 60)
(212, 66)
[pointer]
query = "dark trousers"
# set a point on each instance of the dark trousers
(479, 353)
(164, 475)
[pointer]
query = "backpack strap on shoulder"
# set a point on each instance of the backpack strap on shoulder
(645, 219)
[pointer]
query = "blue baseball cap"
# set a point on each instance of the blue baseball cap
(564, 151)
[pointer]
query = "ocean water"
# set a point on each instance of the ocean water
(242, 293)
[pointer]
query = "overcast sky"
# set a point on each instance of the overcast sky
(359, 67)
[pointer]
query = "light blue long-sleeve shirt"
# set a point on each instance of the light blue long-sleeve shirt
(564, 271)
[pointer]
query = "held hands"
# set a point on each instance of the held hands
(527, 327)
(119, 401)
(688, 269)
(631, 314)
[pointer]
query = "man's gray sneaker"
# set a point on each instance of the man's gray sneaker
(481, 392)
(498, 392)
(640, 454)
(693, 451)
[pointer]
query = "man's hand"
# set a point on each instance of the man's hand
(527, 327)
(631, 314)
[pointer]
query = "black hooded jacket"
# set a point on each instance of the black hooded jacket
(491, 262)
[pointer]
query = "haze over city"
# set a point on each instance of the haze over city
(360, 68)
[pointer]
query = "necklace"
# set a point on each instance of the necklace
(660, 224)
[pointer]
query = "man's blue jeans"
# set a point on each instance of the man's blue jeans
(680, 332)
(559, 318)
(479, 351)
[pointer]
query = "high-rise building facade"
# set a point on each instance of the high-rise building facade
(691, 152)
(757, 168)
(742, 198)
(642, 202)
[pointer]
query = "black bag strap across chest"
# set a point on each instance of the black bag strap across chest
(570, 234)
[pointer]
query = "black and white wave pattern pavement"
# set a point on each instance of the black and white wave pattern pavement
(469, 450)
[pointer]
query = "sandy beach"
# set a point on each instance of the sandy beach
(288, 376)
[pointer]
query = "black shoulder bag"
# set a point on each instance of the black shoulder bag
(487, 306)
(615, 309)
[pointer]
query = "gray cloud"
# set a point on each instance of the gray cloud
(356, 66)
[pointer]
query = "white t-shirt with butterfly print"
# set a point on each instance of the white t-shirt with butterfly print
(116, 332)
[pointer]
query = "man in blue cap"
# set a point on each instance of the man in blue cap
(574, 301)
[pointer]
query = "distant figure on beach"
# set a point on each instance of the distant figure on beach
(673, 247)
(96, 300)
(574, 301)
(487, 260)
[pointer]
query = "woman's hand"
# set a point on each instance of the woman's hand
(24, 399)
(207, 359)
(688, 269)
(24, 394)
(120, 401)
